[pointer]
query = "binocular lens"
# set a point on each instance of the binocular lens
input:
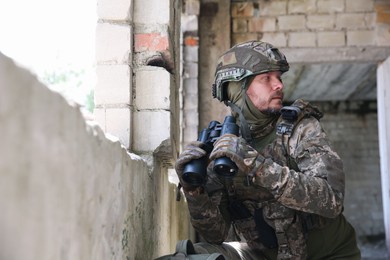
(225, 167)
(195, 172)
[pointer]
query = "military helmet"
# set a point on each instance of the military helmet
(243, 60)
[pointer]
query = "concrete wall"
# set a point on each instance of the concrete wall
(189, 94)
(68, 191)
(384, 141)
(308, 24)
(353, 130)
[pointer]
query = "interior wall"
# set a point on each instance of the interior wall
(214, 34)
(352, 128)
(384, 141)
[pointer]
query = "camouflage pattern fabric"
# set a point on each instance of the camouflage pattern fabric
(314, 187)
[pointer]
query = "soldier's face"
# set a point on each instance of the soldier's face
(266, 92)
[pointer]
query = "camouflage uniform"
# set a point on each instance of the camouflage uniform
(287, 195)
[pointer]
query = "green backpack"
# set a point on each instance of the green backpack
(185, 251)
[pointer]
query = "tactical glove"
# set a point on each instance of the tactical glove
(239, 151)
(191, 152)
(261, 171)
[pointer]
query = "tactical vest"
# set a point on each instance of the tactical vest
(291, 226)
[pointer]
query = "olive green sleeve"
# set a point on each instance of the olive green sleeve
(318, 186)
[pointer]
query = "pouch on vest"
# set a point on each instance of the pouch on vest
(185, 251)
(267, 235)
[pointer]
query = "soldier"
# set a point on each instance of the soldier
(286, 199)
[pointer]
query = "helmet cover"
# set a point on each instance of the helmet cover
(246, 59)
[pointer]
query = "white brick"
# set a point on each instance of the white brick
(190, 134)
(192, 7)
(292, 22)
(277, 39)
(150, 129)
(330, 6)
(273, 7)
(360, 38)
(190, 70)
(301, 7)
(153, 11)
(152, 88)
(118, 124)
(190, 86)
(191, 53)
(331, 39)
(114, 10)
(370, 19)
(113, 84)
(191, 101)
(113, 43)
(302, 39)
(320, 21)
(359, 5)
(189, 23)
(383, 34)
(351, 21)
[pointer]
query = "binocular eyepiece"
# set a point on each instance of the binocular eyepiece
(195, 172)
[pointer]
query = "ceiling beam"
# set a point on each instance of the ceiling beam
(336, 55)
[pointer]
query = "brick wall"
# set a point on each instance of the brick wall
(114, 73)
(137, 58)
(190, 90)
(322, 23)
(68, 191)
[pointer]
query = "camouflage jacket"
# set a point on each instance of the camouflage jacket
(314, 187)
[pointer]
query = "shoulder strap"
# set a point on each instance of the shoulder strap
(289, 119)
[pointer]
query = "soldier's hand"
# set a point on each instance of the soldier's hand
(238, 150)
(191, 152)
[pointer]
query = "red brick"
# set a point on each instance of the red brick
(191, 41)
(382, 13)
(150, 42)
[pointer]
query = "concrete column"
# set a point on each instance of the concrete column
(156, 69)
(114, 68)
(190, 82)
(383, 88)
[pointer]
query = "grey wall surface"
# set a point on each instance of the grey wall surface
(353, 130)
(68, 191)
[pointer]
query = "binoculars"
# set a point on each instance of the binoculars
(195, 172)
